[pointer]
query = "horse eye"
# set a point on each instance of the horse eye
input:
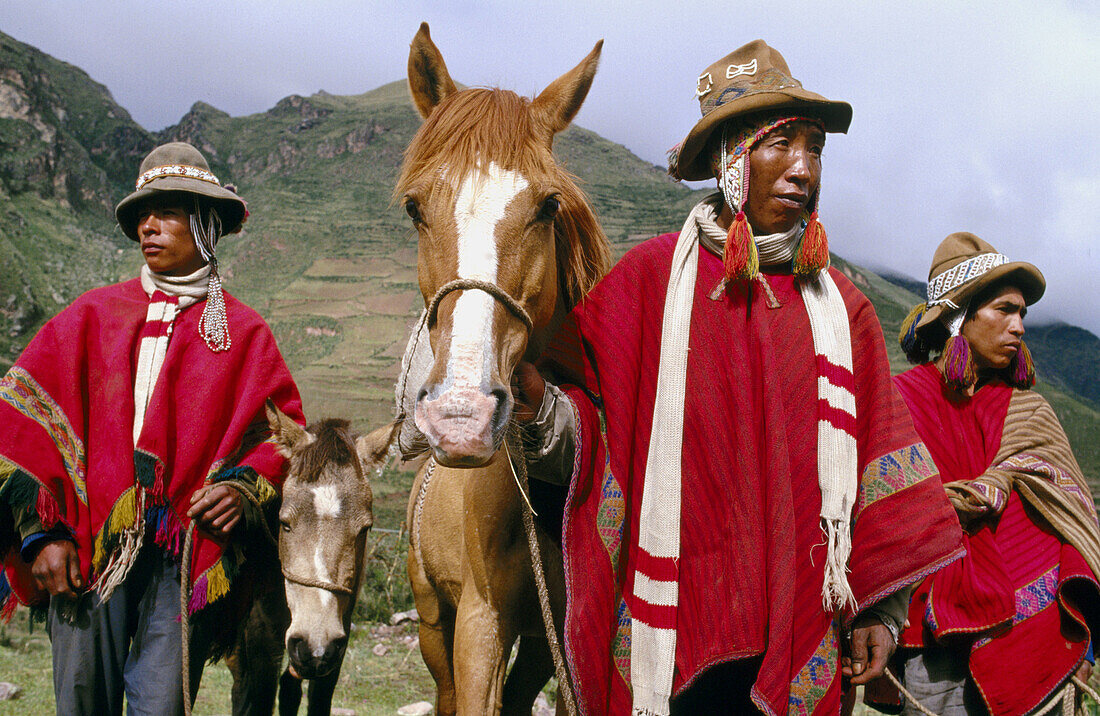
(412, 210)
(549, 208)
(284, 525)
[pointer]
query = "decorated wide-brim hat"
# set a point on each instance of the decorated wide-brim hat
(963, 266)
(179, 167)
(752, 79)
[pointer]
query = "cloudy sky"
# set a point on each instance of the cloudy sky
(976, 116)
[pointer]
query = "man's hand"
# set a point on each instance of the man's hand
(528, 388)
(870, 647)
(57, 569)
(216, 510)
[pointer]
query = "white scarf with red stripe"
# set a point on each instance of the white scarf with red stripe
(168, 295)
(656, 580)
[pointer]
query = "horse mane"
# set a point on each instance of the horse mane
(332, 443)
(481, 124)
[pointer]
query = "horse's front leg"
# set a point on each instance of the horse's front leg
(482, 644)
(321, 690)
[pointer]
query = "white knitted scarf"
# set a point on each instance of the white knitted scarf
(656, 579)
(185, 290)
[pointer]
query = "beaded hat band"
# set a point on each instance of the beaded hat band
(176, 170)
(959, 274)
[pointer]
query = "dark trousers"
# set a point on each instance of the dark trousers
(129, 644)
(720, 690)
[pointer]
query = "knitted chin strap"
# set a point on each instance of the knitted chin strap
(213, 325)
(730, 162)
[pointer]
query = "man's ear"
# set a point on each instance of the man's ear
(285, 433)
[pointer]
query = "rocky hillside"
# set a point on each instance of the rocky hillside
(325, 256)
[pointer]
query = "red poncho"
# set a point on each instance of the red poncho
(1023, 600)
(67, 411)
(752, 553)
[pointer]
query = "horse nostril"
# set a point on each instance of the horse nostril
(335, 649)
(297, 648)
(502, 413)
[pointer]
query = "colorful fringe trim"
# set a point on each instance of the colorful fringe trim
(1022, 368)
(214, 583)
(813, 253)
(8, 602)
(122, 517)
(740, 258)
(20, 490)
(168, 530)
(149, 471)
(958, 366)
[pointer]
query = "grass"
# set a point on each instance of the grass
(369, 684)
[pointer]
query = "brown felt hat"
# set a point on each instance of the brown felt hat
(964, 265)
(751, 79)
(178, 166)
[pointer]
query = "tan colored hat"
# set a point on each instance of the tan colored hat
(751, 79)
(178, 166)
(963, 265)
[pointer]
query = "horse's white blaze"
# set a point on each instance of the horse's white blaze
(482, 201)
(322, 574)
(326, 501)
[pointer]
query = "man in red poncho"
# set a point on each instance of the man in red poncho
(137, 411)
(759, 490)
(1002, 630)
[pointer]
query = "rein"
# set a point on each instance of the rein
(1066, 699)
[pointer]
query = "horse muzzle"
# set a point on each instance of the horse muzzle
(464, 426)
(312, 662)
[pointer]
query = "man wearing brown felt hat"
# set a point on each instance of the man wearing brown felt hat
(759, 499)
(134, 414)
(1003, 630)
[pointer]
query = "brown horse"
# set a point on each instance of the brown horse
(324, 519)
(507, 245)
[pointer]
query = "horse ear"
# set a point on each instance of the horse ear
(373, 447)
(556, 105)
(285, 433)
(429, 81)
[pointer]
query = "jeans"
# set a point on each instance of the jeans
(129, 645)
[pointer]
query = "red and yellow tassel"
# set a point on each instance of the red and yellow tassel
(813, 253)
(1022, 368)
(958, 366)
(740, 258)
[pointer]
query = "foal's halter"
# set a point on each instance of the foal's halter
(317, 583)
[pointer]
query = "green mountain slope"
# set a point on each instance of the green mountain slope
(324, 257)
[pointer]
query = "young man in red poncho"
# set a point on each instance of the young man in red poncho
(135, 412)
(1002, 630)
(759, 496)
